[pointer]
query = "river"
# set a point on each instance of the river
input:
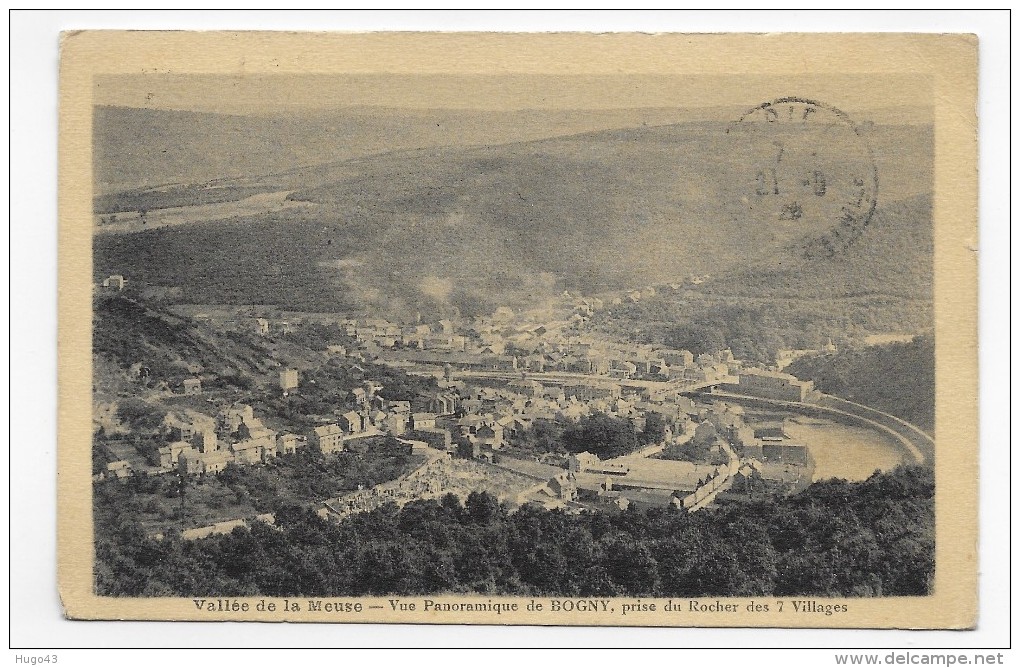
(843, 451)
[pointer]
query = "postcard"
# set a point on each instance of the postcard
(531, 329)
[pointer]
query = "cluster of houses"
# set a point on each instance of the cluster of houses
(559, 347)
(760, 439)
(755, 451)
(508, 342)
(489, 417)
(594, 370)
(203, 444)
(567, 491)
(370, 414)
(197, 443)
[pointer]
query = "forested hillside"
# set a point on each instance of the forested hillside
(882, 283)
(836, 538)
(898, 378)
(127, 332)
(470, 228)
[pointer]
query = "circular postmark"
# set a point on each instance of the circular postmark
(805, 170)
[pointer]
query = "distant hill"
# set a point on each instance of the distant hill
(145, 148)
(468, 228)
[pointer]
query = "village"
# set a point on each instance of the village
(496, 379)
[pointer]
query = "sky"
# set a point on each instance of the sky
(248, 94)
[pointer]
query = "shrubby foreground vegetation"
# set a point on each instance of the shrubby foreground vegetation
(870, 538)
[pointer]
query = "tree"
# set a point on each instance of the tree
(139, 415)
(465, 448)
(898, 378)
(630, 564)
(696, 338)
(542, 436)
(602, 435)
(867, 538)
(655, 428)
(482, 507)
(99, 458)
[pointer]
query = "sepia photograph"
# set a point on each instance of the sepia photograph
(601, 347)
